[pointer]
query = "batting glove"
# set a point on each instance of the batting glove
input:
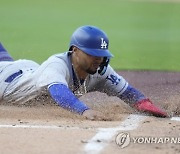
(147, 106)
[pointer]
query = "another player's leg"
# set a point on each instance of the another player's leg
(4, 55)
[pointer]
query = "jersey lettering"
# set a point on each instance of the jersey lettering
(114, 79)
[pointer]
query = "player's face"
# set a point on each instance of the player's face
(89, 63)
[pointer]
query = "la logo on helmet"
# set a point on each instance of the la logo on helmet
(103, 44)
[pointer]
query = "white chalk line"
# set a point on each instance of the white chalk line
(43, 127)
(102, 138)
(104, 135)
(125, 123)
(175, 118)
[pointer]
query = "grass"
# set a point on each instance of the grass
(143, 35)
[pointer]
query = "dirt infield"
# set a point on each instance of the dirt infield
(46, 128)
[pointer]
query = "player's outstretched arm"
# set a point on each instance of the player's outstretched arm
(118, 86)
(138, 101)
(63, 96)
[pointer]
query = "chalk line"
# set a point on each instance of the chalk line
(175, 118)
(104, 135)
(42, 126)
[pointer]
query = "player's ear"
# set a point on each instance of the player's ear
(74, 49)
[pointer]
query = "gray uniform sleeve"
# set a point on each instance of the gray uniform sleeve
(110, 83)
(52, 71)
(115, 85)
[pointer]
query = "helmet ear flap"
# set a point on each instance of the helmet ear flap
(103, 66)
(70, 48)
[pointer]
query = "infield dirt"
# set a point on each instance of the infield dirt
(74, 132)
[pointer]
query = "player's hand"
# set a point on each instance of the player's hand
(94, 115)
(147, 106)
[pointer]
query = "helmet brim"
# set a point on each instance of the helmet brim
(97, 52)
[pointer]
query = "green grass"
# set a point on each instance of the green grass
(143, 35)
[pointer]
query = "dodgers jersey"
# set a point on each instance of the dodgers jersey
(32, 80)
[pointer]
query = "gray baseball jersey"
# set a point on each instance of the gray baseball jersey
(24, 80)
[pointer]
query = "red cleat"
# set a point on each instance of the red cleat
(147, 106)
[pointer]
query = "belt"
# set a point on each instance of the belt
(13, 76)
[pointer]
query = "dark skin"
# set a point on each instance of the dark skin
(85, 64)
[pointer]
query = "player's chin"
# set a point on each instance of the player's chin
(91, 71)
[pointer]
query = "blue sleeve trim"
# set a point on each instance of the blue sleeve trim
(131, 95)
(63, 96)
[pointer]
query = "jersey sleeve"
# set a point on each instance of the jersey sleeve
(52, 71)
(116, 85)
(113, 83)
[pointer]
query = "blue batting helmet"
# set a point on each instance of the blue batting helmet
(91, 40)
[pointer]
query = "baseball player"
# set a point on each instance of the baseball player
(67, 76)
